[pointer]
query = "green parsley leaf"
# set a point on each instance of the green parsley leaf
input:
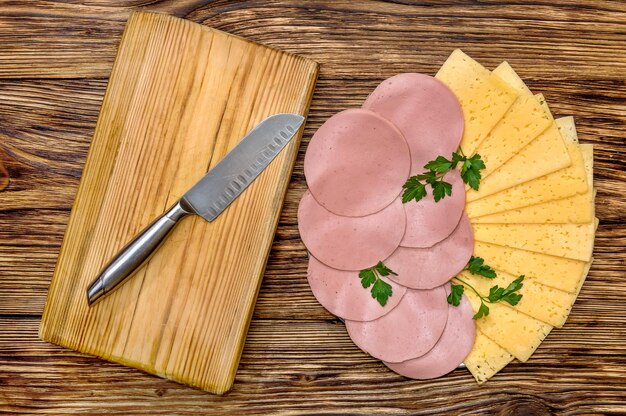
(384, 270)
(507, 294)
(381, 291)
(439, 165)
(368, 277)
(495, 293)
(483, 310)
(470, 170)
(476, 266)
(457, 157)
(441, 189)
(456, 292)
(512, 298)
(413, 190)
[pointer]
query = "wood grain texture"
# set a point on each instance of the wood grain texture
(298, 359)
(179, 98)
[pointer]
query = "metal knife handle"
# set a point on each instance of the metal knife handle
(135, 253)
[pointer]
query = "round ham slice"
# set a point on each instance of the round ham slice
(356, 163)
(341, 293)
(410, 330)
(425, 110)
(455, 343)
(429, 222)
(426, 268)
(350, 243)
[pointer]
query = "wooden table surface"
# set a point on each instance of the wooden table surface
(55, 58)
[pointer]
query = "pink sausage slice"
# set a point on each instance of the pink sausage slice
(341, 293)
(425, 110)
(455, 343)
(429, 222)
(426, 268)
(410, 330)
(356, 163)
(350, 243)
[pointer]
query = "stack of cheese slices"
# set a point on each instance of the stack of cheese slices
(533, 214)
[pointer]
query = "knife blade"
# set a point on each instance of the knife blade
(208, 198)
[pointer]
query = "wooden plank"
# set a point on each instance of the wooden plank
(296, 367)
(179, 98)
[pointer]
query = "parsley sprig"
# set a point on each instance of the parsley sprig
(496, 294)
(381, 290)
(476, 266)
(415, 186)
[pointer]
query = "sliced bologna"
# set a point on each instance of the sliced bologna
(425, 110)
(341, 293)
(356, 163)
(426, 268)
(455, 343)
(429, 222)
(408, 331)
(350, 243)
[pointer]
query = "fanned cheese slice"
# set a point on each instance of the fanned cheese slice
(557, 272)
(573, 241)
(486, 358)
(546, 154)
(526, 119)
(577, 209)
(517, 333)
(484, 97)
(549, 305)
(560, 184)
(508, 75)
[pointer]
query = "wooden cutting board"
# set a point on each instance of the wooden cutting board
(180, 96)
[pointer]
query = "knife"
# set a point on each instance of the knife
(208, 198)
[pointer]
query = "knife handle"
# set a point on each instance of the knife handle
(135, 253)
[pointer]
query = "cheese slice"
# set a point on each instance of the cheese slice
(567, 127)
(560, 184)
(549, 305)
(577, 209)
(508, 75)
(484, 97)
(546, 154)
(557, 272)
(526, 119)
(517, 333)
(573, 241)
(486, 358)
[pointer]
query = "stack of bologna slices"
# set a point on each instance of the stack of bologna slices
(533, 215)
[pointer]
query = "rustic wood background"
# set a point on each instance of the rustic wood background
(55, 58)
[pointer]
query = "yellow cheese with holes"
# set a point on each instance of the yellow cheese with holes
(549, 305)
(546, 154)
(567, 127)
(557, 272)
(508, 75)
(573, 241)
(484, 97)
(577, 209)
(517, 333)
(526, 119)
(560, 184)
(486, 358)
